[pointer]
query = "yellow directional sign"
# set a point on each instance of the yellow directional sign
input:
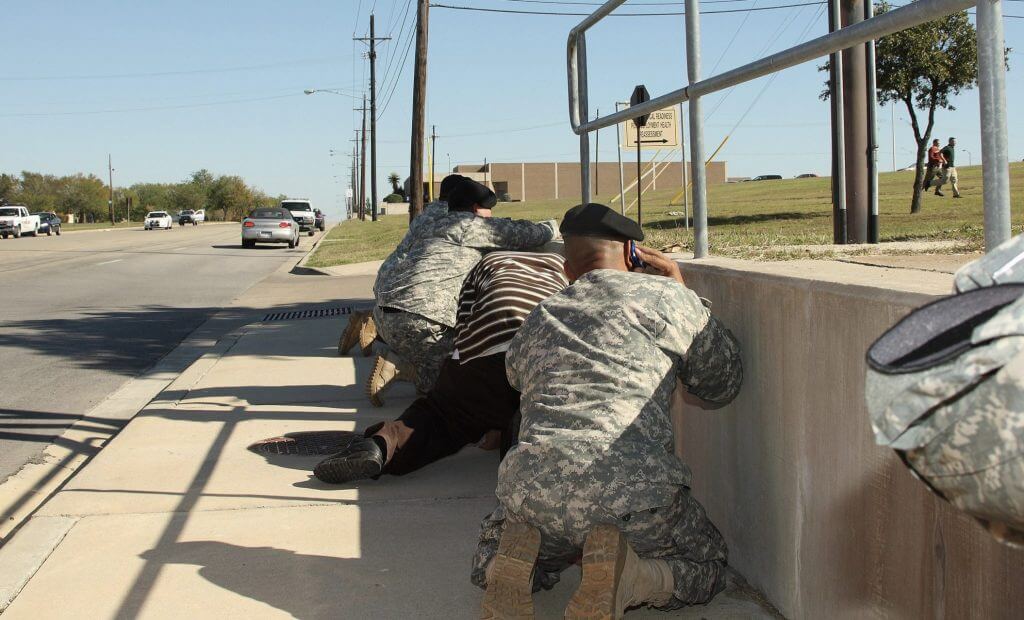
(661, 131)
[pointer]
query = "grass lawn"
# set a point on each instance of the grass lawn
(65, 227)
(756, 219)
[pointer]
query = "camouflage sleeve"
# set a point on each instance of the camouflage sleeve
(711, 367)
(507, 234)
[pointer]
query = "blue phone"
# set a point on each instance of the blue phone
(634, 257)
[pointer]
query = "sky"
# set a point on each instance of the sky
(167, 88)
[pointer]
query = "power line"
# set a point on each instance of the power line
(575, 2)
(148, 109)
(712, 12)
(113, 76)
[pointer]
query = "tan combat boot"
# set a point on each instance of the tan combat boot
(353, 331)
(509, 593)
(387, 369)
(615, 578)
(367, 335)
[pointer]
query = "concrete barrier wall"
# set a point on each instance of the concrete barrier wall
(823, 521)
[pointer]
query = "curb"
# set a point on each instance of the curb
(301, 264)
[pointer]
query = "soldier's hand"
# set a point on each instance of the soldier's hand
(659, 264)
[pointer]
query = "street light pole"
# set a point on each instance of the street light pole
(110, 202)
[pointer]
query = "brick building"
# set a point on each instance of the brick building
(545, 181)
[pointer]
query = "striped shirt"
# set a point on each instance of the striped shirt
(498, 295)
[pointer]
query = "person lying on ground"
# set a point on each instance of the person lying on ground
(361, 328)
(417, 287)
(594, 475)
(472, 396)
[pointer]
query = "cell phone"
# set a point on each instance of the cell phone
(634, 256)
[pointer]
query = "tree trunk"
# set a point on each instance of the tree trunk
(915, 201)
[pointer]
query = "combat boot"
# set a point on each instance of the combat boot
(615, 578)
(367, 335)
(509, 592)
(353, 331)
(362, 458)
(387, 369)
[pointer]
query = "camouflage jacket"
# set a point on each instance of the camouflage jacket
(425, 272)
(597, 364)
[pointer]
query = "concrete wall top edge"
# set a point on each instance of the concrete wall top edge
(909, 287)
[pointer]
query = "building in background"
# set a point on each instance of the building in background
(552, 180)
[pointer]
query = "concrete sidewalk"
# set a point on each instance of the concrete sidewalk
(175, 517)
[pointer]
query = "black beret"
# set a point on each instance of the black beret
(594, 220)
(448, 184)
(467, 193)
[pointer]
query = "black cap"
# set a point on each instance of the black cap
(467, 193)
(448, 184)
(594, 220)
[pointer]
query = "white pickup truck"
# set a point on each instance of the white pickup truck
(15, 221)
(302, 212)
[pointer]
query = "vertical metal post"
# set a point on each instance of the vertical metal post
(618, 151)
(584, 112)
(995, 163)
(838, 133)
(597, 157)
(700, 200)
(639, 183)
(892, 129)
(869, 12)
(855, 103)
(682, 151)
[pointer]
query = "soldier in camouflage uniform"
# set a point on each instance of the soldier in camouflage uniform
(361, 328)
(594, 474)
(417, 287)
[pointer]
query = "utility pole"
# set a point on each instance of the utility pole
(110, 202)
(597, 157)
(433, 159)
(419, 102)
(362, 164)
(855, 118)
(357, 185)
(373, 115)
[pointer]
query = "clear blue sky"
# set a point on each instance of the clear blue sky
(169, 88)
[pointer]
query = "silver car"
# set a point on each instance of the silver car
(269, 225)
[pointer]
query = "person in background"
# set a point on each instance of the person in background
(948, 169)
(935, 161)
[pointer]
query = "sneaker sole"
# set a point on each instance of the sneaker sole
(509, 594)
(340, 471)
(372, 394)
(366, 338)
(306, 443)
(604, 556)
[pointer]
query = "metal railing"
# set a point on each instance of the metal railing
(991, 87)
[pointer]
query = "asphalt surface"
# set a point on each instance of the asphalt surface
(83, 313)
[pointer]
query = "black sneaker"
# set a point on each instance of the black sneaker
(360, 460)
(938, 193)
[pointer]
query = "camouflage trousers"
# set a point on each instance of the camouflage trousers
(679, 533)
(419, 341)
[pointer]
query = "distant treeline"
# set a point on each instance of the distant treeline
(86, 196)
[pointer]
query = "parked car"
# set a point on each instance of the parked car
(49, 223)
(768, 177)
(321, 220)
(302, 211)
(15, 220)
(158, 219)
(807, 175)
(188, 216)
(270, 225)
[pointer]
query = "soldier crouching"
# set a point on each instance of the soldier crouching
(594, 477)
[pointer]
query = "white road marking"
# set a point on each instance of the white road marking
(116, 260)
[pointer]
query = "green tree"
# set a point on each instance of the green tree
(231, 195)
(85, 196)
(923, 67)
(9, 186)
(39, 192)
(186, 195)
(394, 179)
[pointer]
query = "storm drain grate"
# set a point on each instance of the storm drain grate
(319, 313)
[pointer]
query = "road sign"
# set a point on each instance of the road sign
(640, 95)
(660, 132)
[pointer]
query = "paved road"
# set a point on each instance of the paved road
(82, 313)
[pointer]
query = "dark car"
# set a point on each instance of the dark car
(321, 221)
(49, 223)
(807, 175)
(768, 177)
(185, 217)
